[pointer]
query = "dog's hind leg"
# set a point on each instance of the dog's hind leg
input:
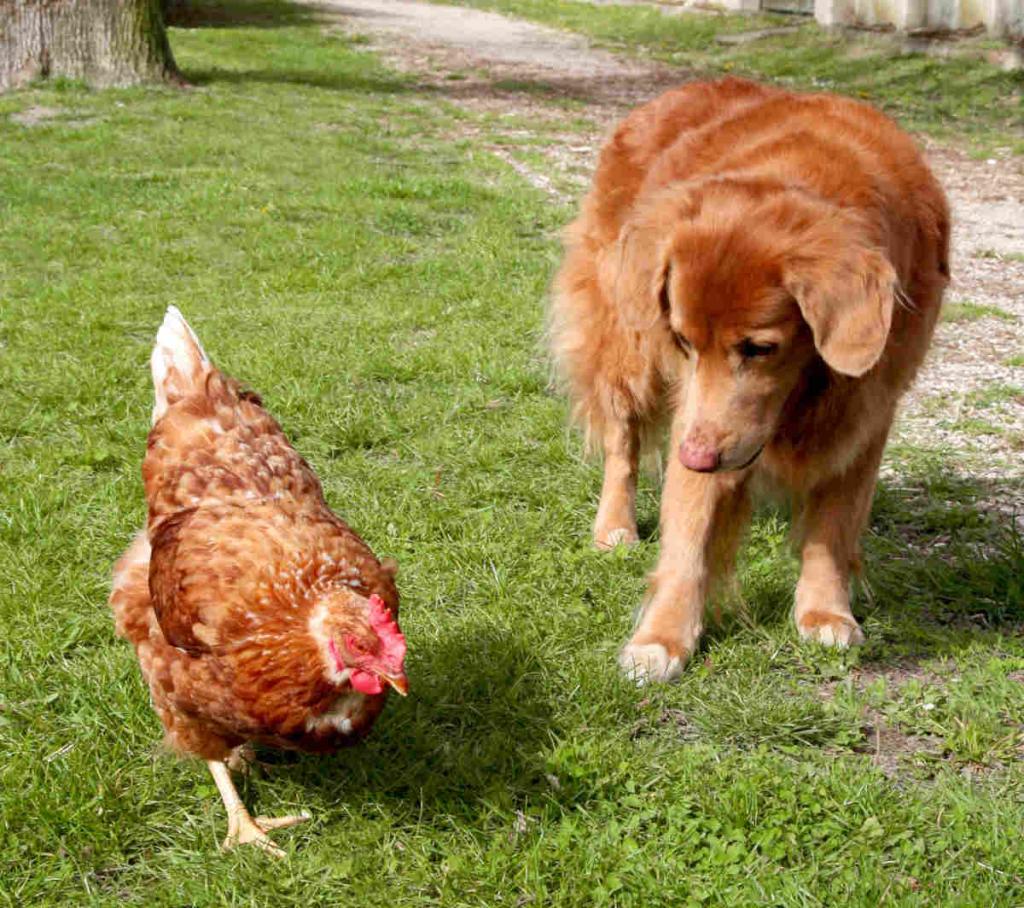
(616, 513)
(833, 517)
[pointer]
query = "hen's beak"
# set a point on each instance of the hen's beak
(399, 683)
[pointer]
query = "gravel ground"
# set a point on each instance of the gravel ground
(528, 82)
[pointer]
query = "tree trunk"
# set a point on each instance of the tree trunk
(103, 42)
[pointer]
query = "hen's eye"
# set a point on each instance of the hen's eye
(749, 349)
(355, 646)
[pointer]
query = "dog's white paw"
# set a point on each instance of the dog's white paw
(609, 539)
(830, 630)
(648, 663)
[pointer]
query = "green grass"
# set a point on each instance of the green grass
(382, 286)
(980, 420)
(1000, 256)
(996, 394)
(966, 311)
(957, 97)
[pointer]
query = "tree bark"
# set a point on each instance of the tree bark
(102, 42)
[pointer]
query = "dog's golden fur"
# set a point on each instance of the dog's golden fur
(764, 270)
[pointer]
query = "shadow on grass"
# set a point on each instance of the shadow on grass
(624, 90)
(943, 565)
(583, 88)
(274, 14)
(237, 14)
(307, 78)
(950, 553)
(471, 732)
(647, 527)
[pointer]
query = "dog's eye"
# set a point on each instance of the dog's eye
(681, 342)
(749, 349)
(663, 300)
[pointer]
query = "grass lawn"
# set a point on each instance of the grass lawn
(962, 98)
(383, 287)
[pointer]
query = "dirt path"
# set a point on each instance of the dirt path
(559, 96)
(489, 38)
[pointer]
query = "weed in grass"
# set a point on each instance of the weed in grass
(966, 311)
(1000, 256)
(995, 395)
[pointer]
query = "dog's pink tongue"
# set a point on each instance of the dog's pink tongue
(365, 682)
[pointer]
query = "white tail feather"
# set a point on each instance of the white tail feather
(179, 362)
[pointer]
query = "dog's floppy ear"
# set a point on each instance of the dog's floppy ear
(632, 273)
(847, 298)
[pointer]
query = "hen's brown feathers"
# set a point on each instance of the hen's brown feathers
(219, 446)
(218, 595)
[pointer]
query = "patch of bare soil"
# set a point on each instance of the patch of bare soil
(892, 749)
(894, 677)
(49, 116)
(538, 78)
(949, 405)
(33, 116)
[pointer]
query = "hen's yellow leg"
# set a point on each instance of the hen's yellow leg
(242, 828)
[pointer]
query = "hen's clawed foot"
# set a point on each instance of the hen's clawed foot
(244, 830)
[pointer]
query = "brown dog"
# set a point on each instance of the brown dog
(764, 270)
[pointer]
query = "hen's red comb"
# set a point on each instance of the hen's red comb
(392, 641)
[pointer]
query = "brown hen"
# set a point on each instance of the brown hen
(257, 615)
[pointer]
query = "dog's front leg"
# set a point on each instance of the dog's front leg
(702, 517)
(833, 517)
